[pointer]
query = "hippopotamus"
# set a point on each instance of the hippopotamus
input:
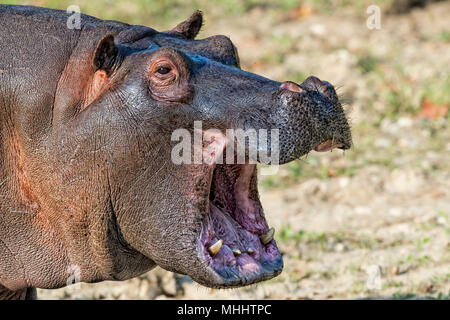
(87, 181)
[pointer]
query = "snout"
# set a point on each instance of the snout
(310, 117)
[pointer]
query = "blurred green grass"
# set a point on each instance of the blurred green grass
(163, 13)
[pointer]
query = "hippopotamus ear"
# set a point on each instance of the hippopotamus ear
(191, 27)
(105, 57)
(105, 54)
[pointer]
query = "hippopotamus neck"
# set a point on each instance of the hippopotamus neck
(52, 70)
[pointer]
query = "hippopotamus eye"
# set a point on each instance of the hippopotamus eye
(163, 70)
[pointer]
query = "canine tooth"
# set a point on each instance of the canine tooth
(236, 252)
(267, 237)
(215, 247)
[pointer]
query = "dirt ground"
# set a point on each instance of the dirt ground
(373, 223)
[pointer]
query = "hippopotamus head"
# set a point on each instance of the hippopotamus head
(104, 174)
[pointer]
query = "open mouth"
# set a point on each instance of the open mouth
(237, 243)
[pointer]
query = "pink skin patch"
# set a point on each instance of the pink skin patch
(327, 146)
(291, 86)
(248, 264)
(214, 142)
(248, 214)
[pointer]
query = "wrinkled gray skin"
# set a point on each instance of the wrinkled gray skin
(86, 178)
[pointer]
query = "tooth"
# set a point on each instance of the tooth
(214, 249)
(267, 237)
(250, 250)
(236, 252)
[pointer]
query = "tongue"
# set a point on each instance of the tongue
(226, 228)
(231, 232)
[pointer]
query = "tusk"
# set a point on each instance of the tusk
(236, 252)
(214, 249)
(267, 237)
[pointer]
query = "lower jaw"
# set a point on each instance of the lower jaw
(234, 277)
(242, 258)
(247, 270)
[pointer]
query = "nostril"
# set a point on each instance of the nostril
(291, 86)
(324, 87)
(313, 81)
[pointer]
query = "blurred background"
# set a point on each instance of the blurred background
(370, 223)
